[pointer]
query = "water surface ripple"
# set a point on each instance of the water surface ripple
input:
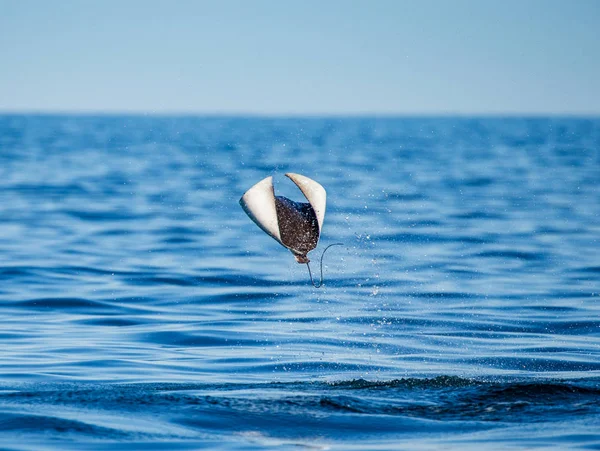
(142, 309)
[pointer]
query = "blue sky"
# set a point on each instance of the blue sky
(301, 57)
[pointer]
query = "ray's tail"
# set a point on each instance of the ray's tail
(320, 284)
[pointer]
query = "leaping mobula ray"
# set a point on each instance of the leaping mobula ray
(295, 225)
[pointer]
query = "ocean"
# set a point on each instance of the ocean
(140, 308)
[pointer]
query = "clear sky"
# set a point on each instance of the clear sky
(301, 57)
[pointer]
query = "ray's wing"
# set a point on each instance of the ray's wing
(314, 193)
(259, 203)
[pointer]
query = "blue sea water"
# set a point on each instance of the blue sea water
(140, 308)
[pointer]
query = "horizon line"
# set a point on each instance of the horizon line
(297, 114)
